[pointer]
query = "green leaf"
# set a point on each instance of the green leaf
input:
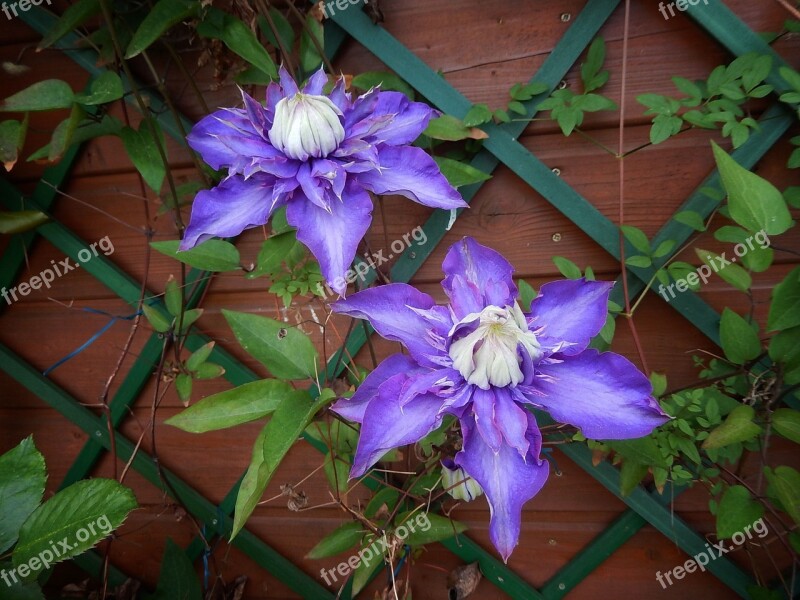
(84, 514)
(737, 427)
(731, 273)
(791, 77)
(526, 294)
(156, 319)
(310, 58)
(784, 347)
(639, 261)
(177, 580)
(172, 297)
(567, 268)
(664, 248)
(458, 173)
(183, 386)
(63, 135)
(687, 87)
(525, 92)
(284, 29)
(18, 221)
(568, 118)
(451, 129)
(143, 151)
(754, 202)
(72, 18)
(737, 510)
(427, 528)
(387, 81)
(188, 319)
(664, 127)
(517, 107)
(699, 119)
(594, 61)
(792, 193)
(253, 76)
(86, 130)
(657, 103)
(739, 340)
(200, 356)
(680, 270)
(387, 497)
(22, 479)
(478, 114)
(659, 383)
(21, 590)
(690, 219)
(631, 474)
(636, 237)
(274, 251)
(593, 103)
(786, 421)
(286, 351)
(337, 471)
(503, 117)
(211, 255)
(756, 257)
(238, 38)
(12, 138)
(642, 450)
(373, 561)
(340, 539)
(209, 370)
(42, 95)
(159, 19)
(785, 484)
(242, 404)
(784, 312)
(287, 423)
(107, 87)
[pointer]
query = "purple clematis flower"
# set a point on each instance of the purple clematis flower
(319, 156)
(486, 361)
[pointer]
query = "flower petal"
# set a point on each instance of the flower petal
(230, 208)
(511, 420)
(412, 173)
(288, 84)
(386, 425)
(397, 311)
(508, 480)
(255, 112)
(204, 136)
(410, 118)
(603, 394)
(339, 96)
(475, 277)
(353, 408)
(316, 82)
(333, 236)
(483, 408)
(572, 311)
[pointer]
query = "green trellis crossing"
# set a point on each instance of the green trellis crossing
(501, 147)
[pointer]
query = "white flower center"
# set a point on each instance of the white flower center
(491, 354)
(306, 126)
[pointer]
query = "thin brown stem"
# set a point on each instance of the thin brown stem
(621, 162)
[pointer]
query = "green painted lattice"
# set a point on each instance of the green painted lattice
(501, 147)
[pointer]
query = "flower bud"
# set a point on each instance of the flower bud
(467, 489)
(306, 126)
